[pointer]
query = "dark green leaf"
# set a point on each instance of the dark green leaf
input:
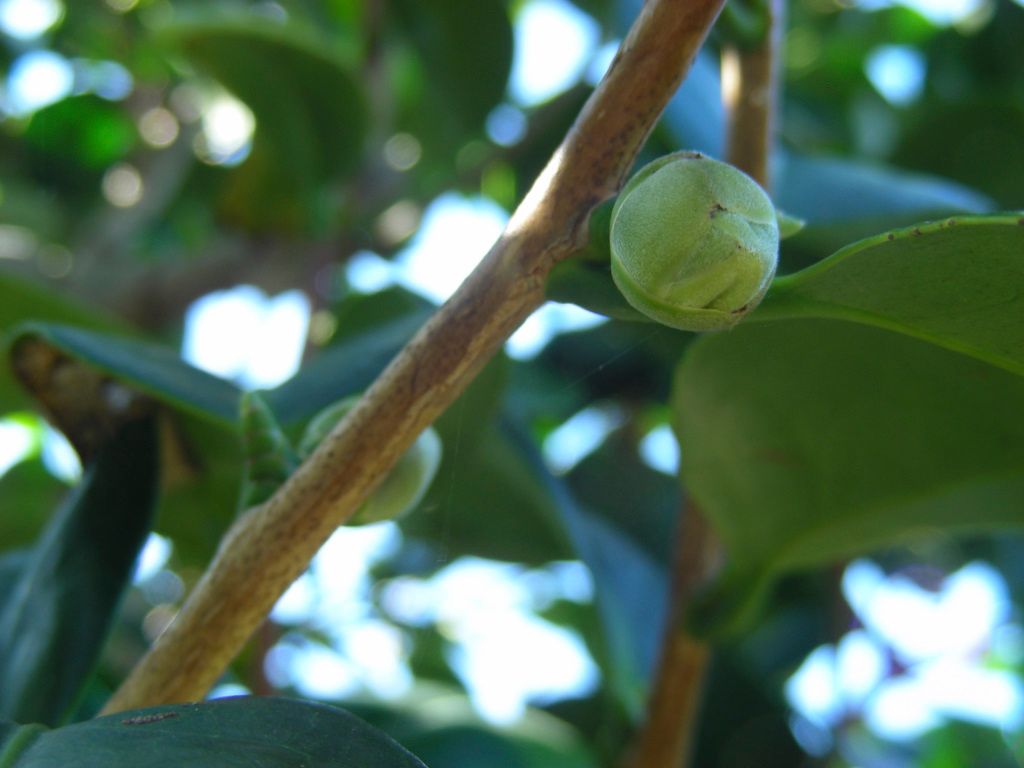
(465, 54)
(631, 595)
(29, 205)
(968, 139)
(70, 371)
(843, 200)
(21, 301)
(826, 190)
(158, 371)
(371, 330)
(28, 491)
(809, 441)
(741, 724)
(55, 619)
(12, 565)
(310, 111)
(307, 103)
(626, 544)
(958, 283)
(226, 733)
(441, 726)
(590, 286)
(612, 478)
(632, 361)
(491, 497)
(83, 132)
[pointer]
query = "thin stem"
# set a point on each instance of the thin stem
(750, 91)
(666, 737)
(270, 546)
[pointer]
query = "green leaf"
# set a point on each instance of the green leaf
(371, 331)
(306, 100)
(155, 370)
(28, 491)
(827, 190)
(72, 372)
(958, 283)
(310, 111)
(844, 200)
(226, 733)
(465, 55)
(441, 726)
(28, 206)
(627, 547)
(810, 441)
(491, 497)
(80, 133)
(21, 301)
(12, 564)
(974, 139)
(55, 618)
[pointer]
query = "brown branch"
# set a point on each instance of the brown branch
(750, 91)
(666, 736)
(272, 544)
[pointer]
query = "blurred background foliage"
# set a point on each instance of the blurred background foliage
(155, 152)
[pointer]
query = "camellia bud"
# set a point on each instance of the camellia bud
(694, 242)
(405, 485)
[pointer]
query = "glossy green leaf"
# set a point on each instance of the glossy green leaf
(26, 204)
(627, 547)
(55, 618)
(309, 108)
(464, 49)
(808, 441)
(826, 190)
(307, 103)
(590, 286)
(85, 132)
(155, 370)
(852, 197)
(958, 283)
(226, 733)
(371, 331)
(28, 492)
(441, 726)
(12, 565)
(617, 360)
(966, 140)
(21, 301)
(490, 498)
(202, 460)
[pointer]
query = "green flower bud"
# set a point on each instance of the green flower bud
(408, 480)
(694, 242)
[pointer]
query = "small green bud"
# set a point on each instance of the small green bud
(268, 456)
(694, 242)
(404, 486)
